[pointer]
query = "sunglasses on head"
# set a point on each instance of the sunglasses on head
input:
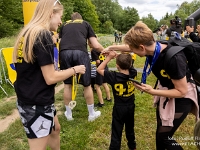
(56, 2)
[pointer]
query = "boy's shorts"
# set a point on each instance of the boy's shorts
(100, 79)
(38, 121)
(71, 58)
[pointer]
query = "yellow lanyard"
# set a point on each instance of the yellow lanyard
(74, 89)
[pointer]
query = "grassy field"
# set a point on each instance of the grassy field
(83, 135)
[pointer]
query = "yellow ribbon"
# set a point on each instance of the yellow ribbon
(74, 87)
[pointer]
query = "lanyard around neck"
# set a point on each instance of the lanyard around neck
(155, 56)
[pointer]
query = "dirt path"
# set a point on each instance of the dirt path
(15, 115)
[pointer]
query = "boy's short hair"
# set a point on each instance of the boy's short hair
(139, 34)
(124, 61)
(75, 16)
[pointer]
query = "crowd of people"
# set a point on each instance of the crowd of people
(36, 65)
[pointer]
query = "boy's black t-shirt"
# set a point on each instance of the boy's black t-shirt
(122, 87)
(95, 54)
(74, 35)
(30, 85)
(176, 69)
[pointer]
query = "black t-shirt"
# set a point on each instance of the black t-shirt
(74, 35)
(122, 87)
(30, 85)
(173, 28)
(176, 69)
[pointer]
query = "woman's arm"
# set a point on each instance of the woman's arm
(52, 76)
(123, 48)
(179, 91)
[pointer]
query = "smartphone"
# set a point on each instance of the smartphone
(135, 81)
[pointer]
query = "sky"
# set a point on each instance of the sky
(158, 8)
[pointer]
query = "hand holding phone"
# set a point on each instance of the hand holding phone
(135, 81)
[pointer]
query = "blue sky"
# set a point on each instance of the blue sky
(158, 8)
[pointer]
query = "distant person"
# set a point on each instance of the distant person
(163, 32)
(192, 34)
(120, 37)
(73, 51)
(33, 56)
(116, 36)
(123, 92)
(175, 26)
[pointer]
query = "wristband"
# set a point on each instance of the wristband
(74, 70)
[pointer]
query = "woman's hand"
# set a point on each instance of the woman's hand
(144, 88)
(79, 69)
(106, 51)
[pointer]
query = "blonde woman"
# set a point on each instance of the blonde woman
(36, 76)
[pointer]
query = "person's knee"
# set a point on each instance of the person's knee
(56, 130)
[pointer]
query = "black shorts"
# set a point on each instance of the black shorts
(71, 58)
(100, 79)
(38, 121)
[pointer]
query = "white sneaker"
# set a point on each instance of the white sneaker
(69, 118)
(95, 116)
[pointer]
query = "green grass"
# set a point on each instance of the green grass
(83, 135)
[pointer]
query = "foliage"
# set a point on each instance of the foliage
(107, 10)
(105, 16)
(130, 17)
(150, 21)
(107, 27)
(68, 9)
(11, 17)
(87, 10)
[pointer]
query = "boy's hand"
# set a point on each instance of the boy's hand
(112, 54)
(105, 52)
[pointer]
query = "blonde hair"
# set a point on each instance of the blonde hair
(39, 24)
(139, 34)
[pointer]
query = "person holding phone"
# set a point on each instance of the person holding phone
(124, 97)
(175, 95)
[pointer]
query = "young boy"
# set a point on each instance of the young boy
(99, 80)
(123, 92)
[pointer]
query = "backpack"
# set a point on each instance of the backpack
(192, 53)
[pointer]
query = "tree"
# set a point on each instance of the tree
(68, 9)
(150, 21)
(108, 10)
(107, 27)
(87, 10)
(11, 17)
(130, 17)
